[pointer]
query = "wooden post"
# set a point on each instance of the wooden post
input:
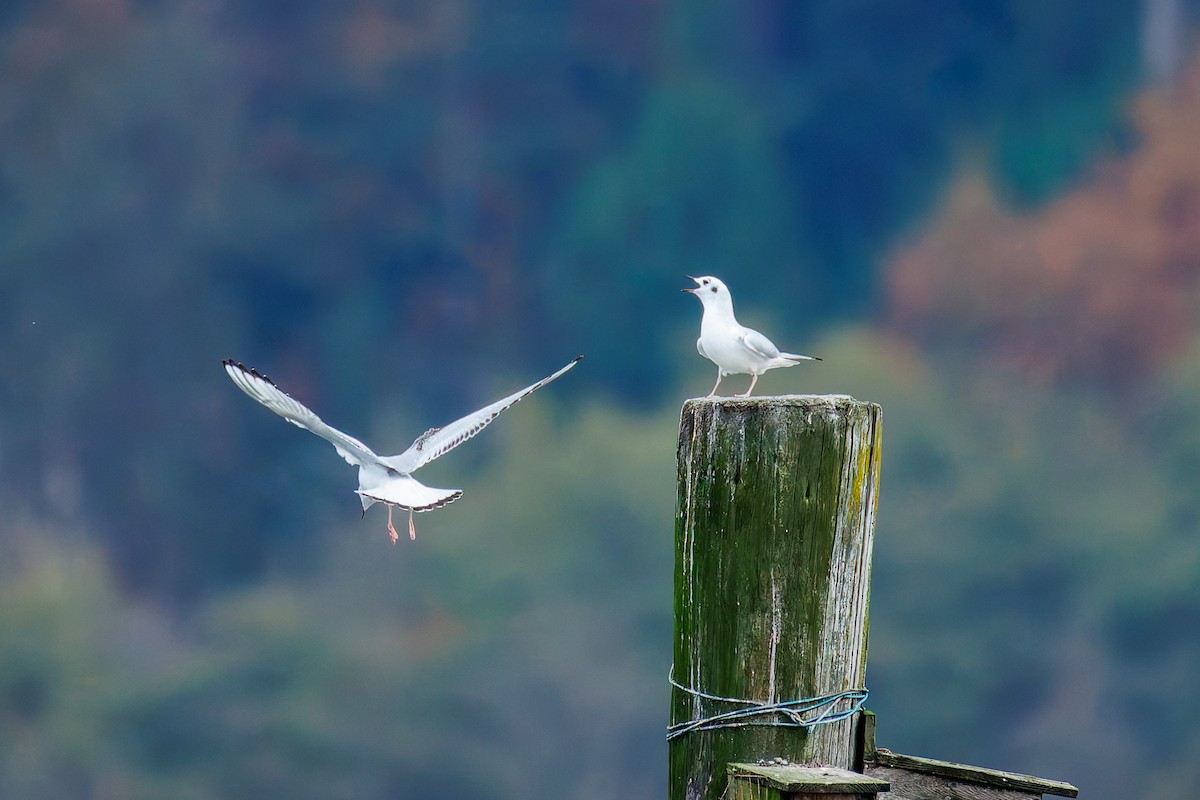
(773, 534)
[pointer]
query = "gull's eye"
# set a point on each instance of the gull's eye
(704, 282)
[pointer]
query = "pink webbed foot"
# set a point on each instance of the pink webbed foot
(392, 528)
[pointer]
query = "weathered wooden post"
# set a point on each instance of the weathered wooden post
(773, 535)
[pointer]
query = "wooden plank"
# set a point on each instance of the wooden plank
(906, 785)
(814, 780)
(977, 775)
(749, 790)
(774, 530)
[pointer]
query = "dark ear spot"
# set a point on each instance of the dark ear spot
(714, 289)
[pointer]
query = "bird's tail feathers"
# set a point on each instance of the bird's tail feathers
(409, 493)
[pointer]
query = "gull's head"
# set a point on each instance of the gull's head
(710, 290)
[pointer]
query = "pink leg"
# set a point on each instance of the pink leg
(412, 531)
(392, 528)
(753, 381)
(715, 385)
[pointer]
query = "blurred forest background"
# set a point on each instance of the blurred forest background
(983, 214)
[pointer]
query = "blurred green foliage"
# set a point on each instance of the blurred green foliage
(1028, 556)
(503, 652)
(401, 210)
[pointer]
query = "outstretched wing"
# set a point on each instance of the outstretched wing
(760, 345)
(437, 442)
(260, 387)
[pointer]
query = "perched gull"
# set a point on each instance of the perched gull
(384, 479)
(734, 348)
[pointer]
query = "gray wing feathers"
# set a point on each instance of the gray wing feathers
(436, 442)
(261, 388)
(759, 344)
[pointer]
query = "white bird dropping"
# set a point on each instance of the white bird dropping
(384, 479)
(734, 348)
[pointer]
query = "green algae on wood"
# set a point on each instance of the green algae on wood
(773, 536)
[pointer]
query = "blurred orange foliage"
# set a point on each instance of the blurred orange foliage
(1099, 286)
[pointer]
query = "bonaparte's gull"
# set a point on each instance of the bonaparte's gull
(384, 479)
(734, 348)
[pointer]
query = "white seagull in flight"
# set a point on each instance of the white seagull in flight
(734, 348)
(384, 479)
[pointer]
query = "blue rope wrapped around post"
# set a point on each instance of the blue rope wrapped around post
(794, 711)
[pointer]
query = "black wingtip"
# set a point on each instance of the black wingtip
(229, 362)
(577, 359)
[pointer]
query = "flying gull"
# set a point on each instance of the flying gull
(384, 479)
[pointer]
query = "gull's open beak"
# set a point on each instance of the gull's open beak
(692, 290)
